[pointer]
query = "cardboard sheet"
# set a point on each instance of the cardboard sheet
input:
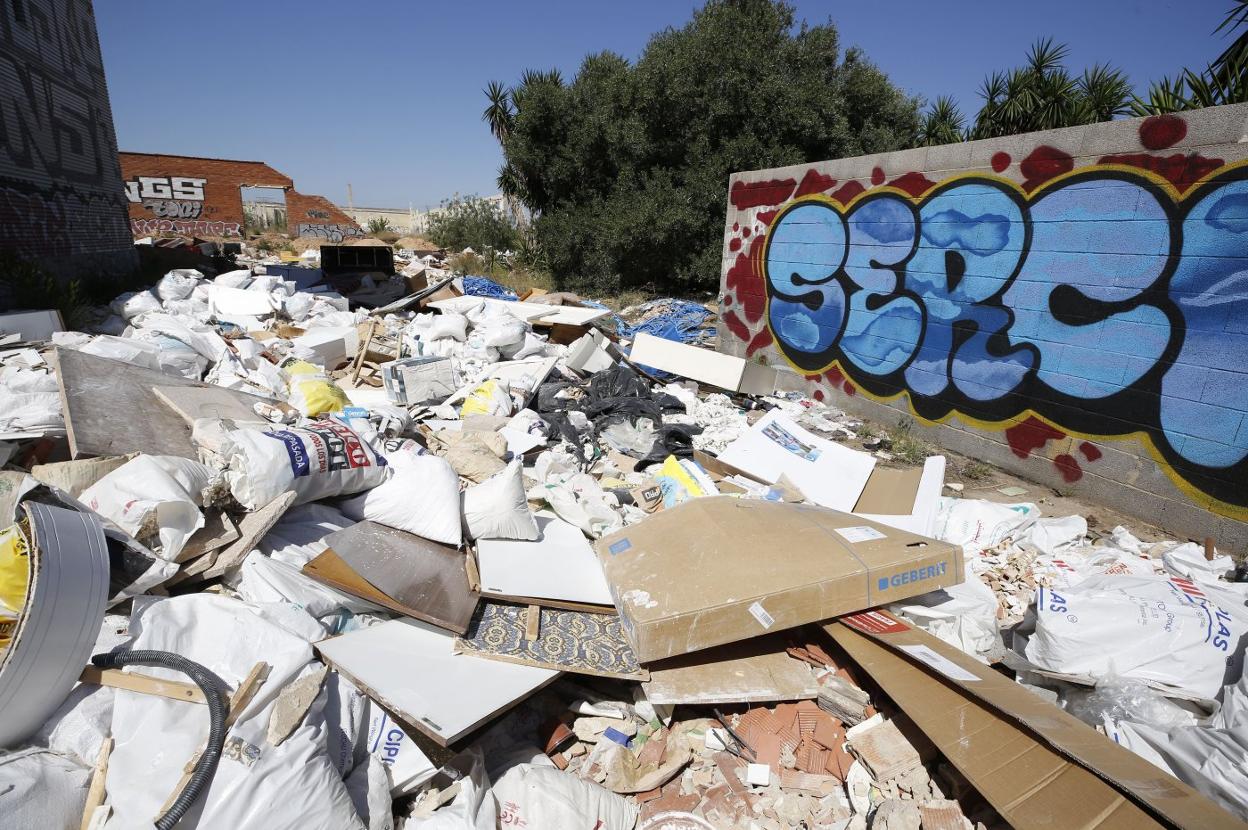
(828, 473)
(559, 565)
(428, 579)
(1036, 764)
(906, 499)
(717, 570)
(411, 668)
(751, 671)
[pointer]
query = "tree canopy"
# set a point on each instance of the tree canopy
(625, 168)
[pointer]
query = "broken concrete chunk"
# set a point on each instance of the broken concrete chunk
(292, 704)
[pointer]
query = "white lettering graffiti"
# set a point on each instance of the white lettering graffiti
(165, 187)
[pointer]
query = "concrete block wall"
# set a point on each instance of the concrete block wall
(1070, 305)
(189, 195)
(61, 200)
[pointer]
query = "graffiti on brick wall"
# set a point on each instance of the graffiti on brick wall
(331, 232)
(149, 227)
(168, 197)
(1106, 301)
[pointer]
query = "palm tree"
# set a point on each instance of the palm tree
(942, 124)
(499, 114)
(1043, 95)
(1224, 81)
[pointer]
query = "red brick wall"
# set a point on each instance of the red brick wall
(317, 216)
(189, 195)
(61, 200)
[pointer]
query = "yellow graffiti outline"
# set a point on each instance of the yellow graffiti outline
(1145, 439)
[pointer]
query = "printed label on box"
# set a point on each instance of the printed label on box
(860, 533)
(759, 613)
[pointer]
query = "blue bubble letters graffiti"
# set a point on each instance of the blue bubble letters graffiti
(1103, 302)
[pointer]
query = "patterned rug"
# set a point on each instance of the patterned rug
(572, 641)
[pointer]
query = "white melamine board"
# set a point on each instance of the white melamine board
(412, 669)
(559, 565)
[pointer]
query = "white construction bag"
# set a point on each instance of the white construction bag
(1168, 632)
(316, 461)
(497, 508)
(421, 497)
(153, 495)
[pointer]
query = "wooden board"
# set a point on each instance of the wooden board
(411, 669)
(111, 407)
(251, 529)
(559, 565)
(426, 577)
(218, 531)
(745, 672)
(192, 402)
(329, 569)
(551, 638)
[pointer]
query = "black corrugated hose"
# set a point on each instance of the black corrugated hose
(214, 692)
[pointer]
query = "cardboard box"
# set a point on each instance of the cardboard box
(1037, 765)
(703, 365)
(716, 570)
(418, 380)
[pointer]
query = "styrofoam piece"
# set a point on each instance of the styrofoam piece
(559, 565)
(586, 354)
(529, 312)
(61, 619)
(827, 473)
(922, 519)
(238, 302)
(331, 344)
(412, 669)
(703, 365)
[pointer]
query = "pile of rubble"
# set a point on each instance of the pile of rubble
(375, 550)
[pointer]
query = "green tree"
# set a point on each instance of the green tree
(1043, 95)
(942, 124)
(379, 225)
(471, 222)
(625, 168)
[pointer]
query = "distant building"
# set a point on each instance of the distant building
(196, 196)
(61, 197)
(406, 221)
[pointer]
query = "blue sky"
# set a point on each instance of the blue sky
(387, 94)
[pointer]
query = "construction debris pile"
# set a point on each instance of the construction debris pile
(316, 545)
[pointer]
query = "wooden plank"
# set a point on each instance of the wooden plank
(143, 684)
(429, 578)
(192, 402)
(238, 702)
(251, 529)
(218, 531)
(95, 793)
(532, 623)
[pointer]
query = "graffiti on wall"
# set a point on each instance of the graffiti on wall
(331, 232)
(168, 197)
(149, 227)
(1106, 301)
(58, 160)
